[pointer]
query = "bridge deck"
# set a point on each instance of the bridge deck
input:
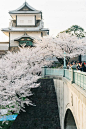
(45, 115)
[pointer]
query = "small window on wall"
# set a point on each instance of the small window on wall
(29, 21)
(22, 39)
(28, 39)
(21, 21)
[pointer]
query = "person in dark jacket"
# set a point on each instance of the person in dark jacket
(78, 66)
(83, 68)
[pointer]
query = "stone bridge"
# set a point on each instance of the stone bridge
(70, 87)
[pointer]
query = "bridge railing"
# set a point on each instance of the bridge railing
(68, 74)
(80, 78)
(74, 76)
(54, 72)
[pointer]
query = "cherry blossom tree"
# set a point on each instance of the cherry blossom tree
(20, 71)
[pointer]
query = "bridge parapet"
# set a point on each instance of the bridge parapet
(75, 76)
(70, 87)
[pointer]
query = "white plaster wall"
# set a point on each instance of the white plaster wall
(25, 20)
(14, 35)
(34, 34)
(38, 17)
(4, 46)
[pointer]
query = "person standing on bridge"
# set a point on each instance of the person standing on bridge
(83, 68)
(68, 65)
(78, 66)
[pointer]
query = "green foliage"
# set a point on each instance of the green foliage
(23, 98)
(75, 30)
(6, 124)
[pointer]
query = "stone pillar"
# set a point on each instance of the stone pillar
(64, 73)
(72, 73)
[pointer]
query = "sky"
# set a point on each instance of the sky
(58, 15)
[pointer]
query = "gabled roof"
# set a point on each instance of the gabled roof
(25, 8)
(24, 36)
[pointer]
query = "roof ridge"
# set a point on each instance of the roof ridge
(22, 6)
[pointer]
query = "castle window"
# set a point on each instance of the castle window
(28, 39)
(22, 39)
(21, 21)
(29, 21)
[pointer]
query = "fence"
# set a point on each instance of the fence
(74, 76)
(54, 71)
(68, 74)
(80, 79)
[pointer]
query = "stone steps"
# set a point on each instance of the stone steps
(45, 114)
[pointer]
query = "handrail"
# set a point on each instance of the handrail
(68, 74)
(80, 79)
(54, 71)
(75, 76)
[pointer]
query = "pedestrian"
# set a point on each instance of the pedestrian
(68, 65)
(78, 66)
(83, 67)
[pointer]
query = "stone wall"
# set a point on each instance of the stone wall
(45, 114)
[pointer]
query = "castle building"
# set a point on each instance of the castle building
(25, 26)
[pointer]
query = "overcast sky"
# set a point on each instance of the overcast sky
(58, 15)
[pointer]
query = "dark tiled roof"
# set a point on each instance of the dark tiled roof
(24, 29)
(24, 36)
(31, 10)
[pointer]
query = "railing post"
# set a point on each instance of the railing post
(64, 73)
(64, 67)
(72, 73)
(44, 71)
